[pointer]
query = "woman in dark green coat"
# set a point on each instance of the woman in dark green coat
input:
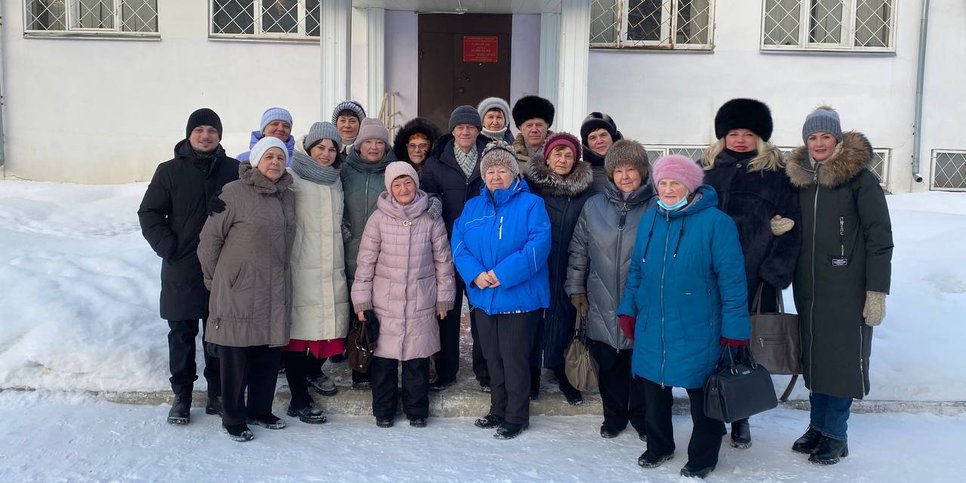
(842, 276)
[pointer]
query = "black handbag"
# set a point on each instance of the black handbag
(738, 388)
(775, 338)
(362, 342)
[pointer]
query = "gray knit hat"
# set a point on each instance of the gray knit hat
(465, 115)
(491, 103)
(372, 129)
(823, 119)
(627, 152)
(322, 130)
(352, 106)
(499, 153)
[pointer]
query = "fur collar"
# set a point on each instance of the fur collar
(262, 185)
(520, 146)
(851, 156)
(543, 178)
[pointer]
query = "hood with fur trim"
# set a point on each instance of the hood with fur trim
(851, 156)
(415, 125)
(544, 180)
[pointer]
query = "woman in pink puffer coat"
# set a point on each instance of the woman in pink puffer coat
(405, 275)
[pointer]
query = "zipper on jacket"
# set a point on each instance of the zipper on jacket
(811, 304)
(842, 236)
(667, 239)
(499, 230)
(861, 360)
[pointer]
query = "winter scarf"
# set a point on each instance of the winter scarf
(307, 168)
(467, 161)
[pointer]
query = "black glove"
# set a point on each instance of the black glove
(215, 205)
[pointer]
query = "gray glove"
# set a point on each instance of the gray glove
(435, 207)
(874, 310)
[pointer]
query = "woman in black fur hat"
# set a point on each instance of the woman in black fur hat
(414, 142)
(748, 173)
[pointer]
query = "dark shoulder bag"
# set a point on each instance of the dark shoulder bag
(739, 388)
(362, 342)
(776, 342)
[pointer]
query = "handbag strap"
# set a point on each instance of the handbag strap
(788, 388)
(756, 303)
(580, 328)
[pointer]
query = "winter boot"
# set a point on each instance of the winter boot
(651, 460)
(323, 385)
(268, 421)
(571, 394)
(239, 432)
(808, 442)
(608, 432)
(417, 422)
(690, 471)
(180, 412)
(310, 414)
(740, 434)
(509, 430)
(829, 451)
(488, 421)
(215, 406)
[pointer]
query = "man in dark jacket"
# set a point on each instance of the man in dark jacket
(182, 193)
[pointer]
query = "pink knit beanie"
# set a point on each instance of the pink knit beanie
(679, 168)
(397, 169)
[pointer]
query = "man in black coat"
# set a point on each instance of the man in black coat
(181, 195)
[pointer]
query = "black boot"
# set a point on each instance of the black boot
(180, 412)
(571, 394)
(238, 432)
(488, 421)
(808, 442)
(215, 406)
(829, 451)
(740, 434)
(509, 430)
(696, 472)
(535, 385)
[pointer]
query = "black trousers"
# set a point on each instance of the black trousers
(705, 437)
(181, 358)
(385, 387)
(622, 401)
(506, 340)
(448, 357)
(298, 366)
(252, 368)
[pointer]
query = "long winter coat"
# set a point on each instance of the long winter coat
(257, 136)
(174, 208)
(564, 198)
(600, 257)
(406, 276)
(752, 198)
(508, 232)
(686, 287)
(362, 182)
(442, 175)
(244, 253)
(844, 211)
(320, 297)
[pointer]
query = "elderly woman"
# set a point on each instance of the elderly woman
(414, 141)
(598, 132)
(405, 274)
(500, 245)
(244, 254)
(748, 174)
(563, 181)
(842, 277)
(495, 113)
(600, 257)
(276, 122)
(685, 295)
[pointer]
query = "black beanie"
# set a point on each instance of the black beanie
(595, 121)
(203, 117)
(747, 114)
(532, 107)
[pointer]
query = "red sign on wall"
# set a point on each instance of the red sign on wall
(480, 48)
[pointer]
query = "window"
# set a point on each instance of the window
(948, 170)
(91, 17)
(658, 24)
(657, 151)
(879, 165)
(265, 19)
(855, 25)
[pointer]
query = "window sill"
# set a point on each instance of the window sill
(263, 38)
(138, 36)
(653, 48)
(827, 50)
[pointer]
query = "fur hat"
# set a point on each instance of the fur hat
(823, 119)
(499, 153)
(318, 132)
(275, 114)
(352, 106)
(397, 169)
(747, 114)
(627, 152)
(679, 168)
(491, 103)
(532, 107)
(416, 125)
(264, 144)
(595, 121)
(203, 117)
(372, 129)
(562, 139)
(465, 115)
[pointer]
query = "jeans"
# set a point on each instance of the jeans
(830, 415)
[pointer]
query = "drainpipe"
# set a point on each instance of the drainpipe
(920, 80)
(3, 71)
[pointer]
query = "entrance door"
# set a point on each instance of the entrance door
(463, 59)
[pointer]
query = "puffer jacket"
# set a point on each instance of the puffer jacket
(244, 253)
(600, 257)
(564, 197)
(257, 136)
(320, 297)
(507, 232)
(405, 274)
(687, 289)
(362, 182)
(844, 211)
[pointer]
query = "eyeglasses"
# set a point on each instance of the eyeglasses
(418, 146)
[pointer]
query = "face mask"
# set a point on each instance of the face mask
(676, 206)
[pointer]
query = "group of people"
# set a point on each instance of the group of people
(544, 233)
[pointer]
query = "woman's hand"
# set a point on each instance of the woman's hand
(780, 226)
(361, 315)
(482, 280)
(494, 282)
(441, 314)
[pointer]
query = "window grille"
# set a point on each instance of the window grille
(879, 165)
(657, 151)
(91, 17)
(948, 170)
(265, 19)
(854, 25)
(658, 24)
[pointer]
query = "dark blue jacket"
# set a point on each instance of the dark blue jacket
(257, 136)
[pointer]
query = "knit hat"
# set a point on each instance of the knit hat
(263, 144)
(372, 129)
(595, 121)
(352, 106)
(747, 114)
(823, 119)
(532, 107)
(397, 169)
(562, 139)
(203, 117)
(626, 152)
(465, 115)
(679, 168)
(318, 132)
(499, 153)
(491, 103)
(275, 114)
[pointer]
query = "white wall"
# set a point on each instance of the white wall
(402, 62)
(524, 58)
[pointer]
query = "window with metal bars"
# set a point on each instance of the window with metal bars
(91, 17)
(265, 19)
(851, 25)
(879, 165)
(656, 24)
(948, 170)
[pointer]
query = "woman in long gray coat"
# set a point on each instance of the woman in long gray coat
(405, 275)
(600, 257)
(244, 253)
(842, 277)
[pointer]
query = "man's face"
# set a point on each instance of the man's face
(204, 139)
